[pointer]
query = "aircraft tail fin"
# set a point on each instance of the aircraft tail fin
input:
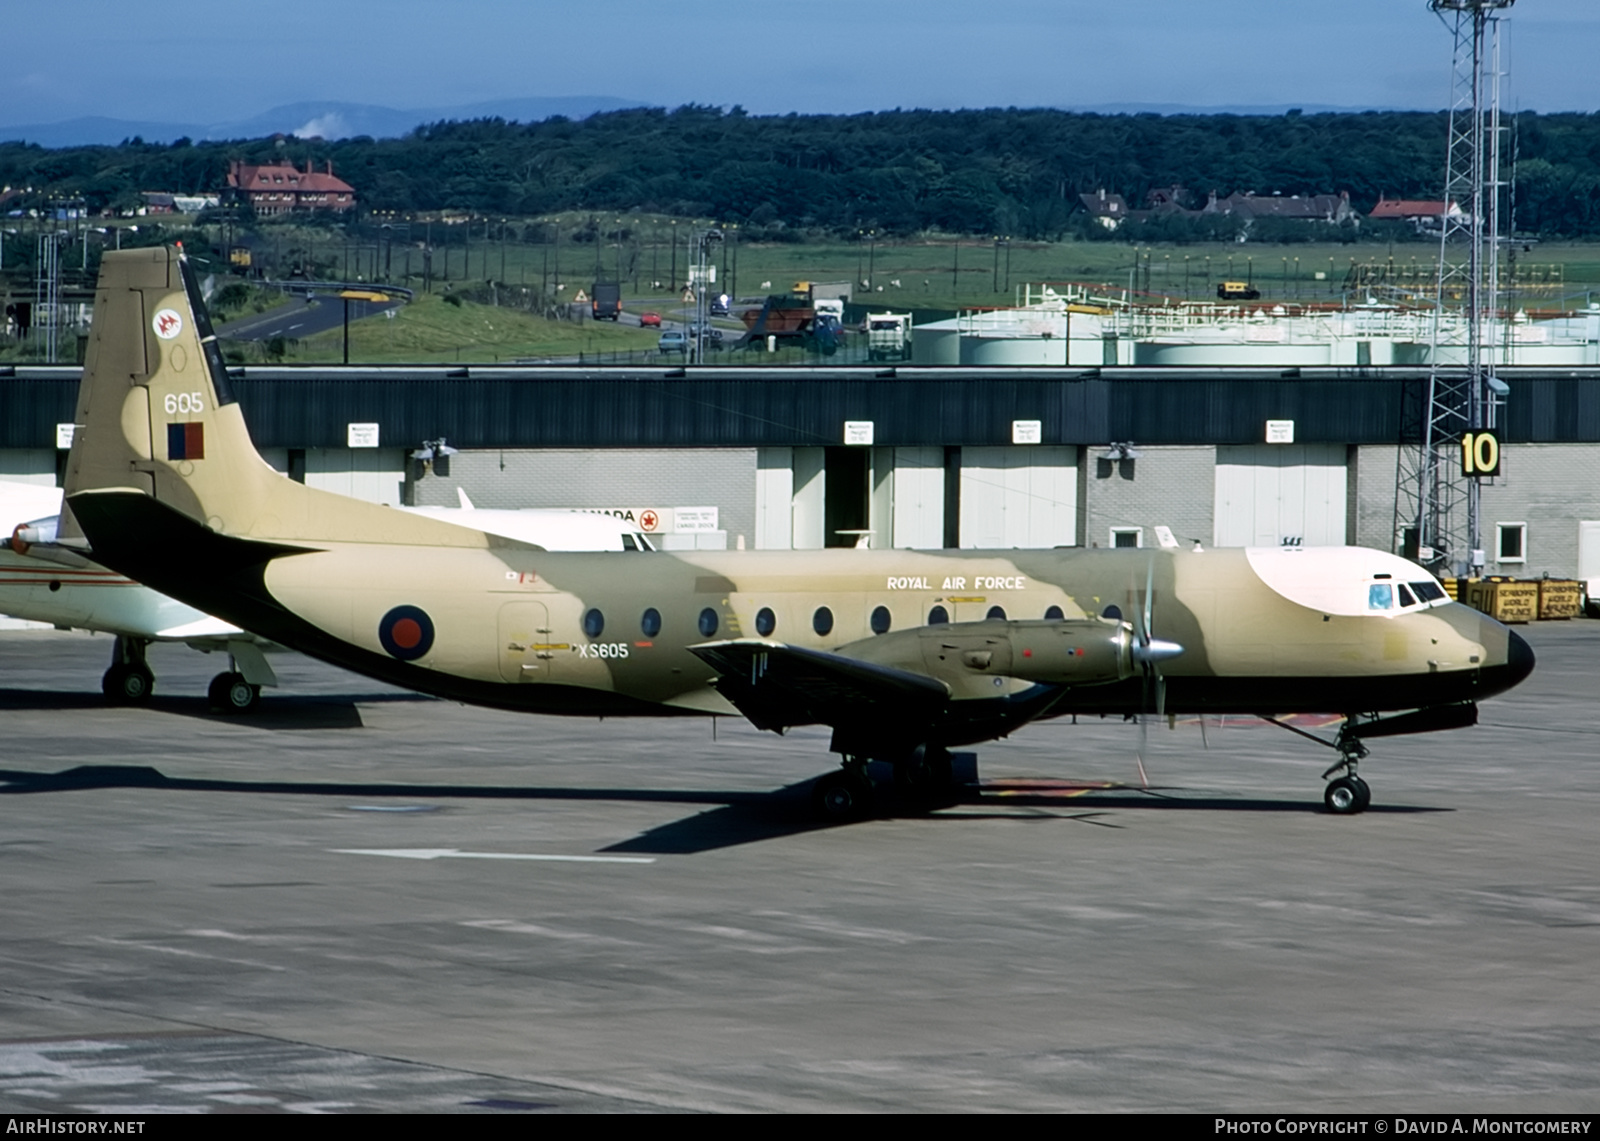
(156, 416)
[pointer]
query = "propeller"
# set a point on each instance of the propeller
(1150, 651)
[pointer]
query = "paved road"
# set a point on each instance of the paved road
(367, 900)
(300, 318)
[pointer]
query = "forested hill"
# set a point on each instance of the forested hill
(993, 171)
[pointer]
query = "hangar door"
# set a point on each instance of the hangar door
(1271, 495)
(1019, 497)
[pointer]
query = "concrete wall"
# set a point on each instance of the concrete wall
(1551, 488)
(1174, 486)
(724, 478)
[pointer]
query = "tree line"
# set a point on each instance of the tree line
(996, 171)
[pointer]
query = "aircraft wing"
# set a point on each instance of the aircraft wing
(776, 686)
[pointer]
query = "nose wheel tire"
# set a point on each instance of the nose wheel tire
(125, 684)
(231, 693)
(1347, 796)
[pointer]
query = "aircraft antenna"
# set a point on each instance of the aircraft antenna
(1438, 516)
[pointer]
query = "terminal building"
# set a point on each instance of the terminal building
(907, 456)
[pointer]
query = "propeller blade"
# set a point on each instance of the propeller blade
(1149, 597)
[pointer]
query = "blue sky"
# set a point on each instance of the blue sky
(215, 62)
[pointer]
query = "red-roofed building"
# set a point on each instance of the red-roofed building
(283, 188)
(1422, 214)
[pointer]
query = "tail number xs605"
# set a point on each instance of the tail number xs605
(183, 402)
(602, 649)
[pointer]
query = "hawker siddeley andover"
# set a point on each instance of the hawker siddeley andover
(903, 654)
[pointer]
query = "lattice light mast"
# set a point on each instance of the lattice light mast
(1443, 526)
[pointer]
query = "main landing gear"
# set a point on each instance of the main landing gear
(924, 776)
(231, 693)
(128, 681)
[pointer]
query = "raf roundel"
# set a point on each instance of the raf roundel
(406, 632)
(167, 324)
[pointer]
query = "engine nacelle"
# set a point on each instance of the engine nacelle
(1082, 651)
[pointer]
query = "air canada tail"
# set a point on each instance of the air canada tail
(156, 420)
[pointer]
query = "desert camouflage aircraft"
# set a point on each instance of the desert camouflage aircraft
(903, 654)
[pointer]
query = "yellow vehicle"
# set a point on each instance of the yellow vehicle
(1237, 291)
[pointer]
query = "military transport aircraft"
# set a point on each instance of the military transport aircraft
(903, 654)
(43, 581)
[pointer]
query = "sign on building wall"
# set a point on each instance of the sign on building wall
(64, 434)
(694, 519)
(858, 432)
(1280, 431)
(361, 435)
(1027, 431)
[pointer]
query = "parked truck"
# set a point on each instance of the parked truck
(605, 300)
(888, 336)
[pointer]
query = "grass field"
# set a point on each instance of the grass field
(431, 330)
(937, 272)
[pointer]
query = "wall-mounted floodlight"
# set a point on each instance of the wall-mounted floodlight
(1499, 387)
(1121, 451)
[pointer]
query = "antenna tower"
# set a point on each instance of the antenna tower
(1438, 519)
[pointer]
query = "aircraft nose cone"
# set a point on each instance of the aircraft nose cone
(1497, 677)
(1519, 659)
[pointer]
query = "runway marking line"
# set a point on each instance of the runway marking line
(457, 854)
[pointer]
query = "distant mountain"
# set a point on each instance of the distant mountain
(330, 119)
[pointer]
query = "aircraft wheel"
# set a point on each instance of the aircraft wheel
(841, 796)
(1347, 796)
(127, 684)
(230, 693)
(926, 775)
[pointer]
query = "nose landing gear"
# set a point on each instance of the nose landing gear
(1348, 794)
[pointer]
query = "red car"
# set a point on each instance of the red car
(649, 320)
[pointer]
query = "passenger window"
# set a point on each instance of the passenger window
(650, 622)
(1380, 596)
(938, 616)
(766, 621)
(822, 621)
(880, 620)
(1112, 612)
(708, 622)
(594, 623)
(996, 612)
(1053, 614)
(1406, 597)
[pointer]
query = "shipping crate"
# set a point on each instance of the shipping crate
(1560, 598)
(1505, 600)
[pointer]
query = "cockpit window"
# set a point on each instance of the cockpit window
(1406, 597)
(1380, 596)
(1428, 591)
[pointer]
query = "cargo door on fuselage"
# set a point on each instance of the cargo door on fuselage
(526, 651)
